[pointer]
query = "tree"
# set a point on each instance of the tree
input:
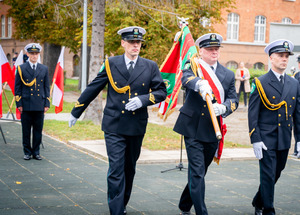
(53, 22)
(94, 110)
(159, 20)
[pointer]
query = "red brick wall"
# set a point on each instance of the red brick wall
(247, 10)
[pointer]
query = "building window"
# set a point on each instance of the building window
(9, 27)
(233, 26)
(232, 65)
(260, 29)
(286, 20)
(259, 66)
(2, 26)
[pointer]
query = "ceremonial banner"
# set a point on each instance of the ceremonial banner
(5, 73)
(58, 82)
(171, 69)
(219, 94)
(18, 62)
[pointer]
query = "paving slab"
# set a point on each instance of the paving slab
(70, 180)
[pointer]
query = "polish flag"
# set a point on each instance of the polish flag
(5, 71)
(18, 62)
(58, 83)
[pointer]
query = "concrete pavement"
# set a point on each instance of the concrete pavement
(70, 180)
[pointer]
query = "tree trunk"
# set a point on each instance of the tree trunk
(50, 57)
(95, 109)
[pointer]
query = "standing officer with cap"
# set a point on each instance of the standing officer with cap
(32, 99)
(194, 121)
(274, 105)
(296, 75)
(133, 84)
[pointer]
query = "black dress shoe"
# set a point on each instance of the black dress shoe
(37, 157)
(27, 157)
(258, 211)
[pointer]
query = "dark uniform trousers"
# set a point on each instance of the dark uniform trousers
(194, 123)
(33, 98)
(123, 152)
(200, 156)
(274, 129)
(297, 77)
(271, 165)
(34, 120)
(124, 130)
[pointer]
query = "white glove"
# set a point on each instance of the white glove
(204, 88)
(219, 109)
(72, 121)
(133, 104)
(298, 149)
(257, 148)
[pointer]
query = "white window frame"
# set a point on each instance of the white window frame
(260, 29)
(233, 23)
(3, 26)
(9, 27)
(232, 64)
(286, 20)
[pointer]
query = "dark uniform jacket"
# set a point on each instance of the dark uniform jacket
(194, 119)
(35, 97)
(145, 82)
(271, 126)
(297, 76)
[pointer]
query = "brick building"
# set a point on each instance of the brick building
(247, 30)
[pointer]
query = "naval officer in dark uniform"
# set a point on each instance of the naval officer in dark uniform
(32, 99)
(296, 75)
(274, 106)
(133, 84)
(194, 121)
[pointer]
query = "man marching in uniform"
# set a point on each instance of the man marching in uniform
(296, 75)
(32, 93)
(194, 121)
(274, 106)
(133, 84)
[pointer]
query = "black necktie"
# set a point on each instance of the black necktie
(281, 80)
(33, 67)
(130, 70)
(213, 69)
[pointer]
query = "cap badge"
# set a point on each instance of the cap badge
(286, 45)
(213, 37)
(136, 31)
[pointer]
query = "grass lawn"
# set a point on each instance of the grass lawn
(157, 137)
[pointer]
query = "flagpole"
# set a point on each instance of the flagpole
(211, 110)
(52, 86)
(84, 48)
(3, 87)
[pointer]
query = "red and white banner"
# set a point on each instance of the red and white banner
(18, 62)
(5, 73)
(58, 83)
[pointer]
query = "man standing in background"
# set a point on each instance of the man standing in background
(274, 106)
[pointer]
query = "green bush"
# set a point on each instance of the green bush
(253, 73)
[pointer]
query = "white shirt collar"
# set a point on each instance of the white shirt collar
(31, 64)
(277, 75)
(127, 61)
(215, 66)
